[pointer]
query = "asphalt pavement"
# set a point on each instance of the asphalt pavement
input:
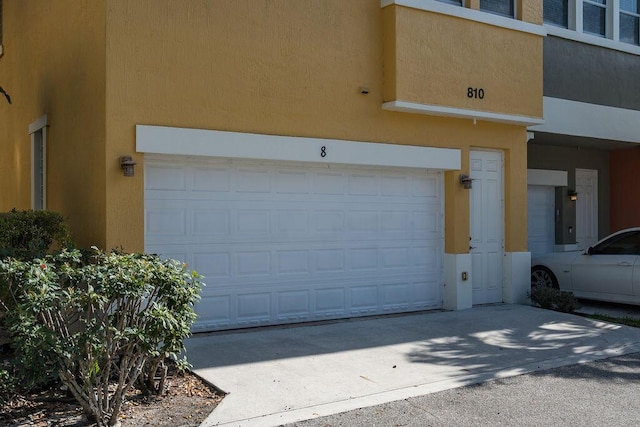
(389, 364)
(600, 393)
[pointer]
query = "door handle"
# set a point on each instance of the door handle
(472, 247)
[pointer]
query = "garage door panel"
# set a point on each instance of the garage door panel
(281, 242)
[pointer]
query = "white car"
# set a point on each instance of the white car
(607, 271)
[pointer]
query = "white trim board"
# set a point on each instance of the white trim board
(38, 124)
(469, 14)
(575, 118)
(547, 177)
(460, 113)
(200, 142)
(565, 33)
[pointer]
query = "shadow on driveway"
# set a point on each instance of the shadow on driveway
(301, 372)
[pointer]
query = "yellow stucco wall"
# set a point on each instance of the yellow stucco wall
(290, 67)
(285, 68)
(54, 65)
(433, 59)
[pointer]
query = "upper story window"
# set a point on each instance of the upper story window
(630, 21)
(612, 21)
(499, 7)
(456, 2)
(594, 15)
(556, 12)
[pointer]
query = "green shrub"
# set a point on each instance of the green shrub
(26, 235)
(554, 299)
(7, 386)
(100, 325)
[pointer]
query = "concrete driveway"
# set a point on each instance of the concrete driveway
(281, 375)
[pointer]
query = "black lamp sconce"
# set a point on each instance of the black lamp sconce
(127, 164)
(466, 182)
(573, 196)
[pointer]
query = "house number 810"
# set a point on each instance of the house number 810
(476, 93)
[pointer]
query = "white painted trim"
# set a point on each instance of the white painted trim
(469, 14)
(200, 142)
(517, 277)
(553, 178)
(38, 124)
(461, 113)
(575, 118)
(458, 293)
(576, 36)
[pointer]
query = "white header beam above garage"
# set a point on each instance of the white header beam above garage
(199, 142)
(575, 118)
(547, 177)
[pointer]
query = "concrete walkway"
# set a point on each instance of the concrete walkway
(282, 375)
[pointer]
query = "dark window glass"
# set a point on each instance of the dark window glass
(629, 29)
(632, 6)
(594, 19)
(500, 7)
(622, 244)
(456, 2)
(556, 12)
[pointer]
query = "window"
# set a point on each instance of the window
(622, 244)
(499, 7)
(594, 15)
(556, 12)
(630, 21)
(613, 24)
(38, 132)
(456, 2)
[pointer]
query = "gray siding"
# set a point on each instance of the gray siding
(569, 159)
(587, 73)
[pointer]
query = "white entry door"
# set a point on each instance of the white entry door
(586, 207)
(487, 226)
(540, 219)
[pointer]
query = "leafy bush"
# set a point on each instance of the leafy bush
(554, 299)
(100, 325)
(7, 385)
(26, 235)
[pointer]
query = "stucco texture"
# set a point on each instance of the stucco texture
(98, 68)
(54, 65)
(433, 59)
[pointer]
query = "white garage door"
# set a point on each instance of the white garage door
(541, 228)
(283, 242)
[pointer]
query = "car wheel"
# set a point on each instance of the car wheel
(542, 276)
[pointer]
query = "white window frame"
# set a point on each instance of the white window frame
(575, 30)
(39, 127)
(608, 27)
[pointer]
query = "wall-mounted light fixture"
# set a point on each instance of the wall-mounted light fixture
(573, 196)
(127, 164)
(466, 182)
